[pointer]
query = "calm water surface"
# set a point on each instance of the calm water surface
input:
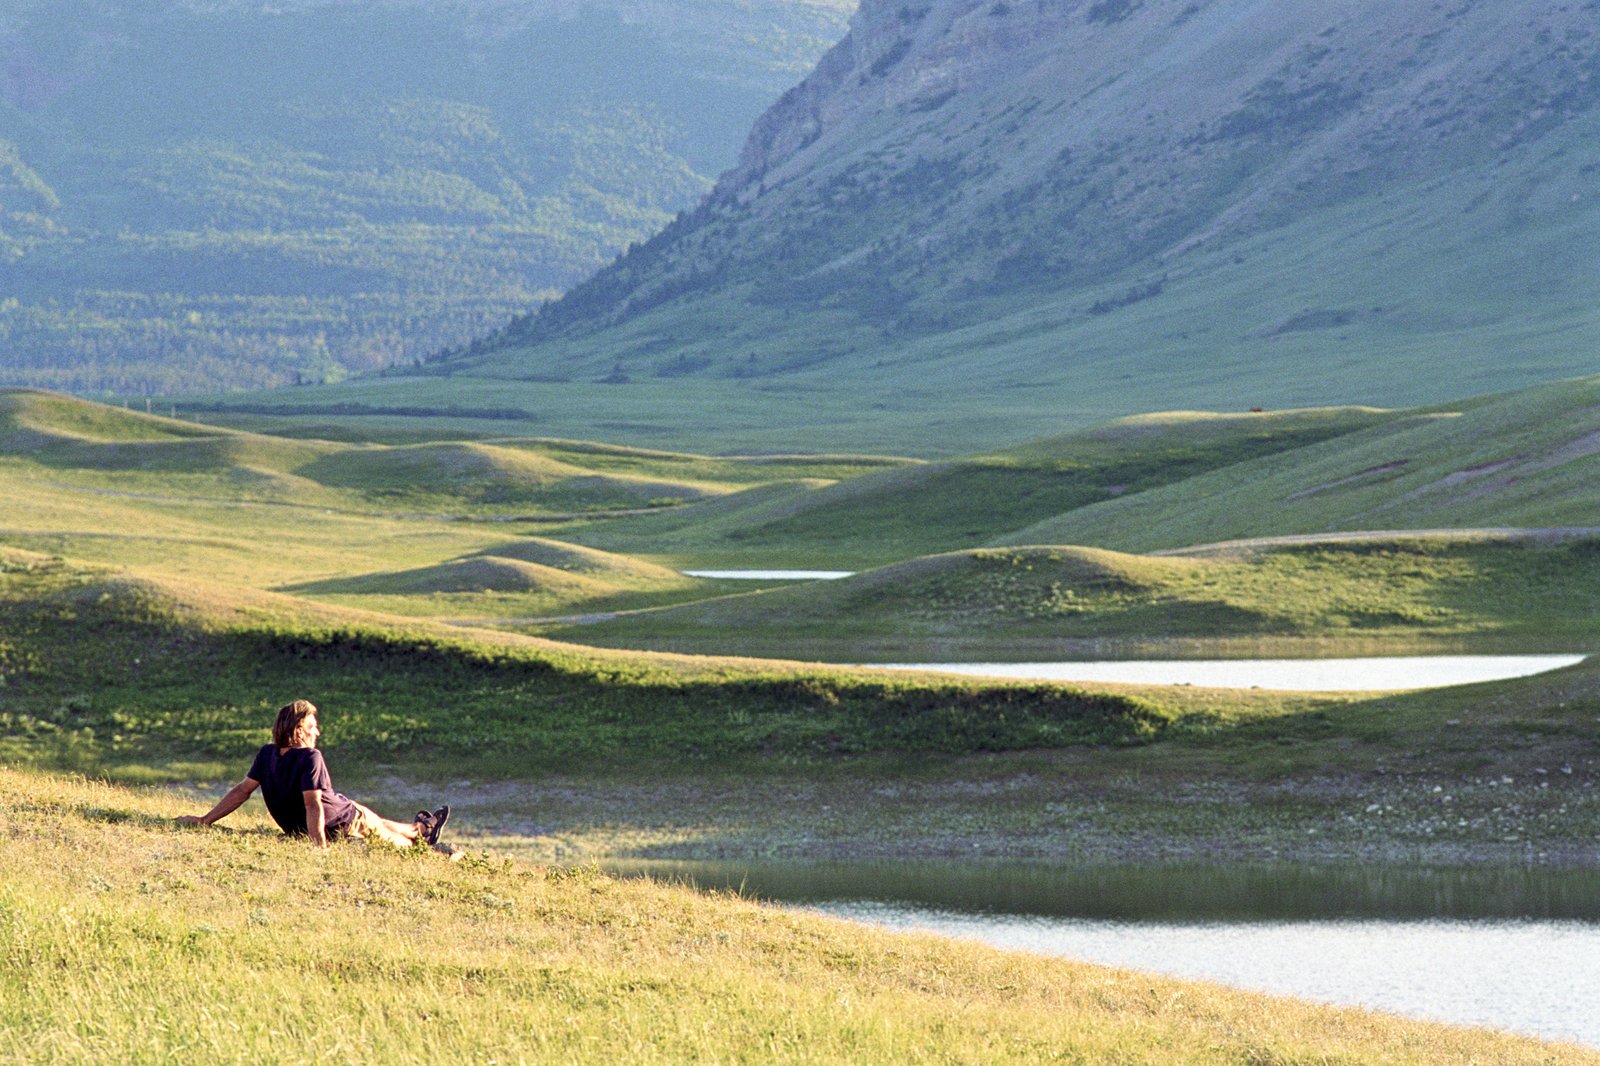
(773, 575)
(1294, 675)
(1541, 978)
(1515, 949)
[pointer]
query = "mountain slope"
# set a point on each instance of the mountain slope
(1120, 206)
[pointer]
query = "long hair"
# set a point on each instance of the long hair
(290, 717)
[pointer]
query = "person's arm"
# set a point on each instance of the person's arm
(316, 827)
(225, 806)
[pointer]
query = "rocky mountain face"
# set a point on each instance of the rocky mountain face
(950, 157)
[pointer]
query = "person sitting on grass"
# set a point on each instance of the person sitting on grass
(298, 791)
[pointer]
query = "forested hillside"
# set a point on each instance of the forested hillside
(207, 195)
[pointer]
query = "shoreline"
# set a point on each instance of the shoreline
(1044, 810)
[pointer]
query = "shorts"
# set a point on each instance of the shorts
(364, 824)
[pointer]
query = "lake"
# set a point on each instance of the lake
(1512, 949)
(1294, 675)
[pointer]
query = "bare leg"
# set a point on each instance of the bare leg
(370, 825)
(400, 834)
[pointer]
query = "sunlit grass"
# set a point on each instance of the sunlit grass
(244, 946)
(1382, 595)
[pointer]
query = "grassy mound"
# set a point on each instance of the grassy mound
(53, 416)
(1529, 458)
(724, 469)
(524, 579)
(487, 475)
(102, 446)
(192, 667)
(916, 510)
(66, 433)
(590, 562)
(1197, 439)
(487, 573)
(1384, 593)
(243, 946)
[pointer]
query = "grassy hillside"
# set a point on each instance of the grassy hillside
(614, 523)
(914, 510)
(1528, 458)
(166, 660)
(184, 676)
(1166, 481)
(346, 521)
(129, 452)
(521, 580)
(1381, 595)
(163, 946)
(184, 669)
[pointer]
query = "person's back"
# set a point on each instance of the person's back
(286, 775)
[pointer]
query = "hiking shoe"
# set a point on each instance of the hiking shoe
(430, 823)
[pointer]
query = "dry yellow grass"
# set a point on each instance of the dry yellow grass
(127, 939)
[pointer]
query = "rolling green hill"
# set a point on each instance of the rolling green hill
(150, 619)
(1168, 481)
(352, 522)
(972, 225)
(1529, 458)
(1378, 595)
(493, 703)
(913, 510)
(122, 451)
(211, 195)
(520, 580)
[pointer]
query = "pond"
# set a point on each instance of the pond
(772, 575)
(1512, 949)
(1294, 675)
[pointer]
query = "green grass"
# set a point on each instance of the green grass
(1168, 481)
(138, 641)
(127, 489)
(165, 661)
(915, 510)
(185, 669)
(184, 674)
(521, 580)
(1526, 458)
(1382, 595)
(124, 451)
(243, 946)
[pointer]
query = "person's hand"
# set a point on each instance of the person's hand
(193, 819)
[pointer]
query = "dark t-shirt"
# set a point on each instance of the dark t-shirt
(284, 779)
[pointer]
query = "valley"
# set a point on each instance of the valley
(165, 583)
(971, 226)
(505, 377)
(363, 565)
